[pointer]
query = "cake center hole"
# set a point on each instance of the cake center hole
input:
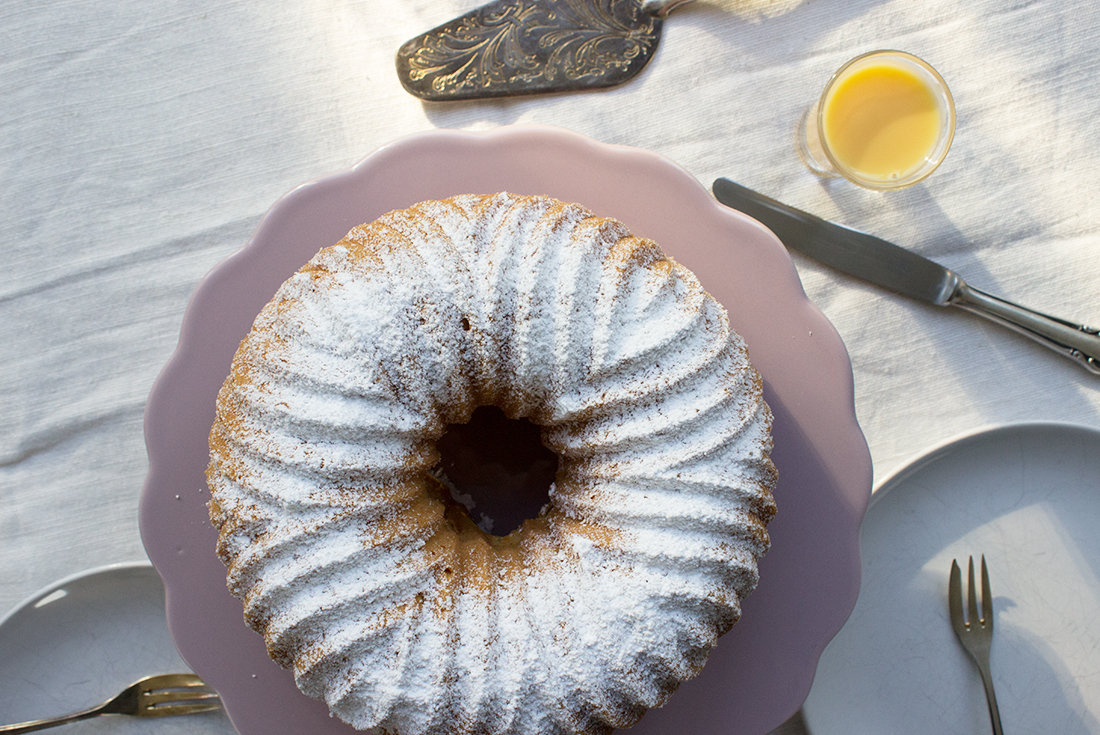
(498, 468)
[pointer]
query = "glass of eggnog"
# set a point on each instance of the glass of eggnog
(885, 120)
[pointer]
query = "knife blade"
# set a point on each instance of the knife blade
(885, 264)
(520, 47)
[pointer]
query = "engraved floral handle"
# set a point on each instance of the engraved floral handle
(513, 47)
(1075, 341)
(661, 8)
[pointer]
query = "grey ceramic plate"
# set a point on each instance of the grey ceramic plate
(1028, 497)
(82, 640)
(762, 670)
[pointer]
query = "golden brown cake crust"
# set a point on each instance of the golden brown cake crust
(381, 593)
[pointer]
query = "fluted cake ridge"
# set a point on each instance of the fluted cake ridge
(367, 579)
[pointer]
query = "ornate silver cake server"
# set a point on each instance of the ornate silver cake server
(519, 47)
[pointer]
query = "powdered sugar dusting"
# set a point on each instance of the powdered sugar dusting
(374, 585)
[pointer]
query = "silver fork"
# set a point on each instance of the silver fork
(153, 696)
(977, 634)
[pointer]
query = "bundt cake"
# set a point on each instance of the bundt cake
(376, 588)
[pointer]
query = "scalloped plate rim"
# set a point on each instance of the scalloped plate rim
(853, 497)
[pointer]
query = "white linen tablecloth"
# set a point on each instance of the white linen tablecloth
(140, 143)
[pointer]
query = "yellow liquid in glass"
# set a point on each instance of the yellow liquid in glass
(880, 121)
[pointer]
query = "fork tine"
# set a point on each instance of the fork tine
(954, 597)
(181, 709)
(987, 598)
(153, 699)
(173, 681)
(972, 621)
(176, 694)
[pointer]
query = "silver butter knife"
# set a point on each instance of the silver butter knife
(885, 264)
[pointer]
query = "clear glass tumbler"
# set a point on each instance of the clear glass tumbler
(885, 120)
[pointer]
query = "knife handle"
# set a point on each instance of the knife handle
(1075, 341)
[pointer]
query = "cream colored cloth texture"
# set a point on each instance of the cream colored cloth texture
(140, 144)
